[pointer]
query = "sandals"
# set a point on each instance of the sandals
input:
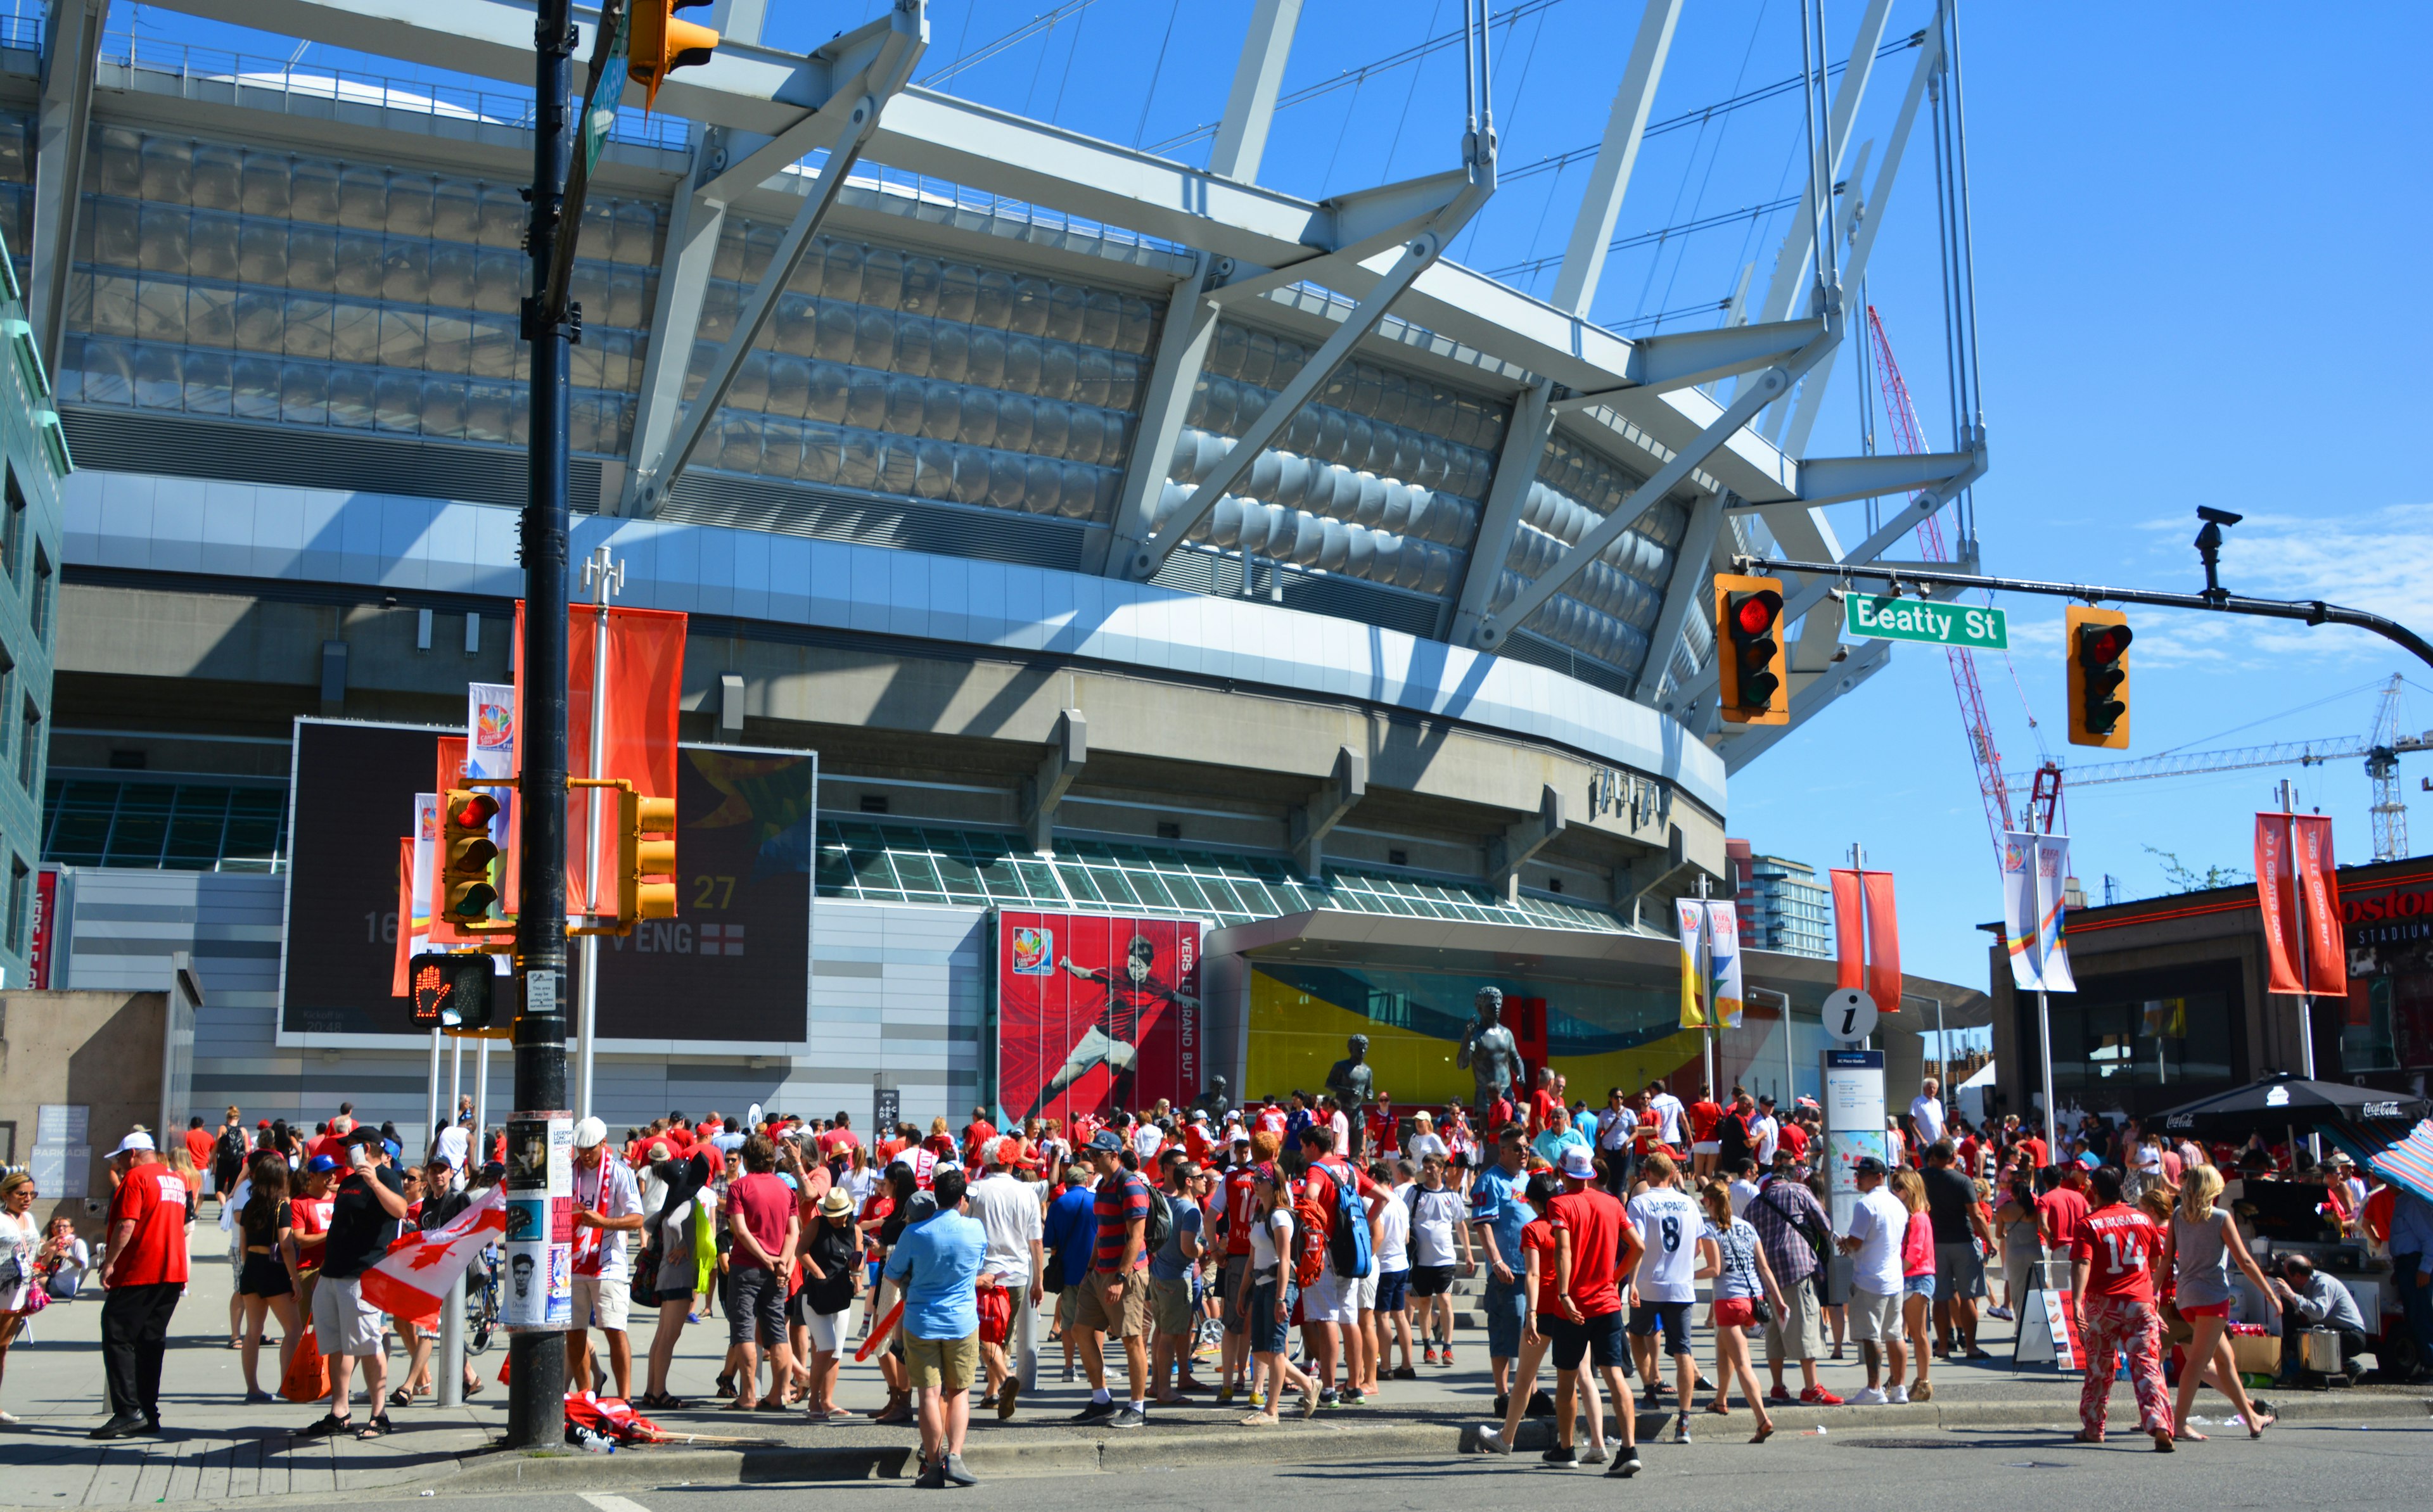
(329, 1426)
(1765, 1431)
(380, 1427)
(400, 1398)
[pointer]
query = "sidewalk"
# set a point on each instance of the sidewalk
(215, 1448)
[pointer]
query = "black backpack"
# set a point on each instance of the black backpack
(1159, 1228)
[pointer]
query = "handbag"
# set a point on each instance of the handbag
(308, 1373)
(643, 1288)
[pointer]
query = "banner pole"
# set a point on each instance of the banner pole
(600, 575)
(2044, 1051)
(430, 1102)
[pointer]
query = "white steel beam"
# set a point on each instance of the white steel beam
(1689, 357)
(62, 127)
(1871, 221)
(1251, 108)
(1767, 386)
(1837, 480)
(1691, 565)
(1576, 285)
(1183, 341)
(1846, 216)
(1516, 471)
(849, 56)
(1791, 267)
(850, 119)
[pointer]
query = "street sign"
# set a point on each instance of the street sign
(600, 115)
(1849, 1014)
(1879, 617)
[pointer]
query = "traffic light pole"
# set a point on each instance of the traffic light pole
(2313, 611)
(537, 1361)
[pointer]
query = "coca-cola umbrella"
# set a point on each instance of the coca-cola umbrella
(2285, 1101)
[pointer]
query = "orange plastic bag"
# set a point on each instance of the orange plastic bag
(308, 1375)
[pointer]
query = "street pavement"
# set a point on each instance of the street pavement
(217, 1447)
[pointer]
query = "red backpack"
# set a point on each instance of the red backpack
(1310, 1220)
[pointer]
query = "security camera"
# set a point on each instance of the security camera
(2218, 516)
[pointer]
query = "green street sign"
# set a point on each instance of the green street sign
(607, 95)
(1875, 618)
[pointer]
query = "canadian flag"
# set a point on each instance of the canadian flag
(414, 1276)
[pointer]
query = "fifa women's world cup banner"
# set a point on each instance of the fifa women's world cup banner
(1095, 1013)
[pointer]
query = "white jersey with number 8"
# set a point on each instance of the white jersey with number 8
(1669, 1224)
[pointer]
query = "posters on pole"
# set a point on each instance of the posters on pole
(539, 1291)
(1854, 1123)
(1715, 925)
(1095, 1013)
(2032, 869)
(2300, 899)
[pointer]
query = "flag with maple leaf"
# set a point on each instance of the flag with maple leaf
(411, 1279)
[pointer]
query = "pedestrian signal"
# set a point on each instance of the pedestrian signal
(451, 989)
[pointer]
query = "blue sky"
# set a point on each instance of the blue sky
(2187, 224)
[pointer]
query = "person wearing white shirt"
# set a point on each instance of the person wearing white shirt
(1927, 1113)
(1012, 1215)
(1767, 1131)
(1424, 1139)
(1743, 1191)
(1672, 1117)
(607, 1206)
(1878, 1222)
(1670, 1223)
(1148, 1139)
(455, 1145)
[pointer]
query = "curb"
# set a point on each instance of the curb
(1290, 1442)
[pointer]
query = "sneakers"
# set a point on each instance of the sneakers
(2002, 1313)
(1225, 1394)
(1428, 1356)
(956, 1472)
(1819, 1397)
(1490, 1442)
(1128, 1418)
(932, 1476)
(1869, 1397)
(1327, 1398)
(1681, 1429)
(1353, 1398)
(1624, 1468)
(1561, 1456)
(1541, 1404)
(1781, 1394)
(1005, 1397)
(1444, 1357)
(1403, 1372)
(1093, 1411)
(1897, 1397)
(1594, 1455)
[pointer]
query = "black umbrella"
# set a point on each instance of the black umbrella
(2285, 1101)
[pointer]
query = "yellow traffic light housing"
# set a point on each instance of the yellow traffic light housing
(468, 891)
(657, 43)
(646, 861)
(1749, 649)
(2098, 640)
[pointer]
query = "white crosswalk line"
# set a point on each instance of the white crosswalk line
(614, 1504)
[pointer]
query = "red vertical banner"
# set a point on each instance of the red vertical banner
(2295, 879)
(1866, 936)
(645, 686)
(397, 985)
(46, 901)
(1097, 1013)
(1850, 932)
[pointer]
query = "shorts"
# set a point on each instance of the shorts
(1269, 1334)
(343, 1322)
(1393, 1290)
(756, 1306)
(1873, 1317)
(1706, 1147)
(1362, 1293)
(1735, 1312)
(265, 1276)
(1169, 1304)
(602, 1303)
(1919, 1285)
(825, 1329)
(1068, 1303)
(1230, 1291)
(1431, 1280)
(1599, 1338)
(1505, 1308)
(2208, 1310)
(1330, 1299)
(1129, 1319)
(942, 1365)
(1959, 1271)
(1674, 1318)
(1801, 1335)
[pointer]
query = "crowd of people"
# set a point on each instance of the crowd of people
(1303, 1249)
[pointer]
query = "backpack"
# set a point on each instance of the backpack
(1309, 1239)
(1159, 1228)
(1347, 1245)
(232, 1143)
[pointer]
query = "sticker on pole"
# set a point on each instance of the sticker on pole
(1849, 1014)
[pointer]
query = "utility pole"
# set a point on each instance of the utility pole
(536, 1359)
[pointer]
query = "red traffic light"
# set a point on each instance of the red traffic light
(2099, 644)
(1755, 613)
(472, 810)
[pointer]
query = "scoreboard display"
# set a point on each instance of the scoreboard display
(732, 967)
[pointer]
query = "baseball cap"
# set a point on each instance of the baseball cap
(138, 1140)
(1106, 1141)
(1869, 1166)
(1577, 1163)
(589, 1131)
(321, 1162)
(1199, 1115)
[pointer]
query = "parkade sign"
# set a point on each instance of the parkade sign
(2387, 918)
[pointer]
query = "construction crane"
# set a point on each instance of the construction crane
(2380, 747)
(1901, 415)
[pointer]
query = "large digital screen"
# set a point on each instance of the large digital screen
(1097, 1013)
(732, 967)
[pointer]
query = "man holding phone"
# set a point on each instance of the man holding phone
(363, 1220)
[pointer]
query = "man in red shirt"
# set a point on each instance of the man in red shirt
(976, 1134)
(1543, 1102)
(1594, 1242)
(144, 1274)
(2060, 1212)
(1240, 1194)
(1330, 1306)
(1704, 1115)
(762, 1216)
(839, 1141)
(1272, 1119)
(2110, 1262)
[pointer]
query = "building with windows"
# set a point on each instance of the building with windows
(34, 458)
(1782, 906)
(1121, 544)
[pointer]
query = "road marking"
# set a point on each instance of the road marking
(614, 1504)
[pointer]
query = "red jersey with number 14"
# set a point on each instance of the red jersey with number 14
(2119, 1244)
